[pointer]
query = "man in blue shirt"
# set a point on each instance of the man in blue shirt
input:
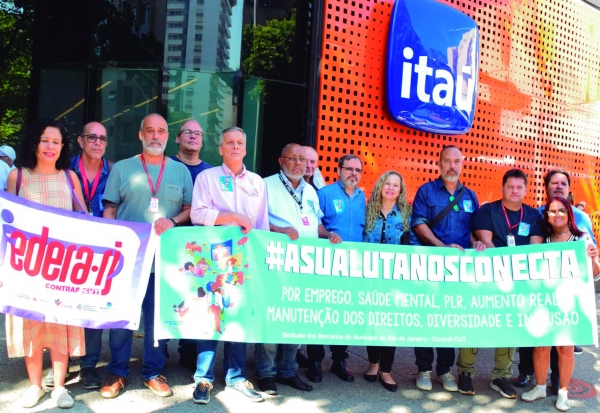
(343, 205)
(189, 140)
(452, 229)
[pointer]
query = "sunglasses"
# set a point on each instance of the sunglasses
(560, 212)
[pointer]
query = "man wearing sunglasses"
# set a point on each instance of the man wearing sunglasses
(505, 223)
(344, 206)
(92, 169)
(442, 213)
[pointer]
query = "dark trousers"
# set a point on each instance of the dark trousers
(445, 359)
(554, 364)
(382, 355)
(526, 360)
(316, 352)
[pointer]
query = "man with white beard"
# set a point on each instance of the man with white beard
(150, 188)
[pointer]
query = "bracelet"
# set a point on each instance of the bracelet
(173, 221)
(329, 235)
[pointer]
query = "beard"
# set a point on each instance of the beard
(153, 150)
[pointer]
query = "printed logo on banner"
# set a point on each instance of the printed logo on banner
(65, 265)
(432, 67)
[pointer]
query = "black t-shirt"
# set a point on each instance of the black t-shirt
(490, 217)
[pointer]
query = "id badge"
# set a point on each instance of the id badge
(510, 240)
(523, 229)
(468, 205)
(226, 184)
(305, 220)
(153, 207)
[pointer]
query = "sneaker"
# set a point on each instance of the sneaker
(201, 393)
(159, 386)
(448, 381)
(32, 396)
(49, 379)
(577, 350)
(465, 384)
(62, 397)
(424, 380)
(246, 388)
(89, 378)
(502, 386)
(522, 380)
(534, 394)
(562, 403)
(112, 387)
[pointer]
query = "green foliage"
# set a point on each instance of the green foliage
(16, 30)
(267, 52)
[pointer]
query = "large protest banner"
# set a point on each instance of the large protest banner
(62, 267)
(216, 283)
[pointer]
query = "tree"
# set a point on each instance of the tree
(16, 31)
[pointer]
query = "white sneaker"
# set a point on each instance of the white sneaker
(32, 396)
(534, 394)
(448, 381)
(562, 403)
(424, 380)
(62, 397)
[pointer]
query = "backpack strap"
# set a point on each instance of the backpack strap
(451, 205)
(19, 179)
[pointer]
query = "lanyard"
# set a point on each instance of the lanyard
(86, 189)
(511, 227)
(291, 191)
(160, 174)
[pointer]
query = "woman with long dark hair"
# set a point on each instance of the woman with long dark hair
(559, 226)
(41, 177)
(388, 218)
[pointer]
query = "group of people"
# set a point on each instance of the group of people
(183, 190)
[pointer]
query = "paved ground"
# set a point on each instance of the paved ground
(332, 395)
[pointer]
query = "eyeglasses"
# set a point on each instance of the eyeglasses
(293, 159)
(188, 132)
(451, 198)
(92, 138)
(560, 212)
(350, 170)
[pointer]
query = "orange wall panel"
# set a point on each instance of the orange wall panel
(538, 106)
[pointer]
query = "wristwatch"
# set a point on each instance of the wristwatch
(173, 221)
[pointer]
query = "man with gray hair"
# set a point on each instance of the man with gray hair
(145, 188)
(233, 196)
(189, 140)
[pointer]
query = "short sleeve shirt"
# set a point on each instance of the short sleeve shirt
(194, 169)
(285, 211)
(490, 217)
(128, 187)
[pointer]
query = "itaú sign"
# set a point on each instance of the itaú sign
(432, 67)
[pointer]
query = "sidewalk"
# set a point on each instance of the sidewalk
(332, 395)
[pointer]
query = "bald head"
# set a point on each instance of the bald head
(312, 160)
(293, 162)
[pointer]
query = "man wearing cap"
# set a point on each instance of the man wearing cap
(8, 155)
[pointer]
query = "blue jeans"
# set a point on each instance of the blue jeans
(120, 341)
(276, 359)
(93, 346)
(234, 361)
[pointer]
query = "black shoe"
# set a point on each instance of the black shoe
(267, 386)
(89, 378)
(388, 386)
(502, 386)
(314, 373)
(301, 359)
(523, 380)
(371, 378)
(246, 388)
(577, 350)
(554, 385)
(202, 392)
(294, 382)
(465, 384)
(340, 370)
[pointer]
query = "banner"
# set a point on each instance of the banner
(216, 283)
(63, 267)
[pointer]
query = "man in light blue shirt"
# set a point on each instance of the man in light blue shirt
(343, 205)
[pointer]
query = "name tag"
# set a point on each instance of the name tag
(153, 207)
(226, 184)
(523, 229)
(510, 240)
(305, 221)
(468, 205)
(338, 204)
